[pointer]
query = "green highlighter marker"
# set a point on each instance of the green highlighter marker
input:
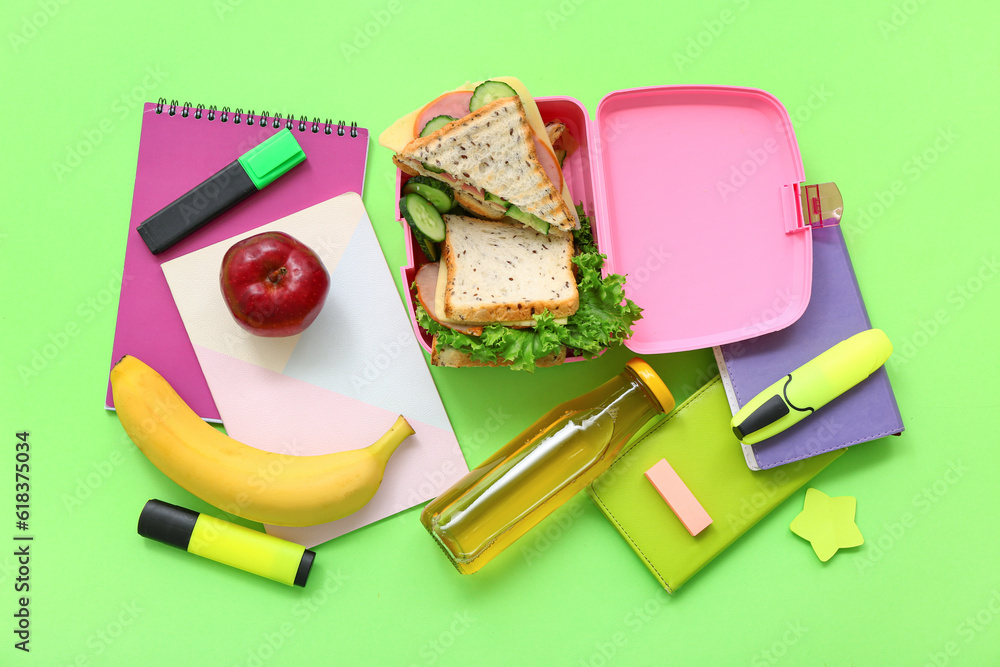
(811, 386)
(252, 171)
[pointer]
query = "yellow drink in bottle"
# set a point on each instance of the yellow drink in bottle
(543, 467)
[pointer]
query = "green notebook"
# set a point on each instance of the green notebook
(700, 446)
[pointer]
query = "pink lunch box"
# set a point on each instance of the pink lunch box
(695, 194)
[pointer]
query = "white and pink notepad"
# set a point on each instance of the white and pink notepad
(341, 383)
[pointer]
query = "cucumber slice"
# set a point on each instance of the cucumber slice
(528, 219)
(425, 222)
(561, 156)
(489, 91)
(433, 190)
(435, 124)
(497, 200)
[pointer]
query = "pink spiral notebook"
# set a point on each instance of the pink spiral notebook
(179, 147)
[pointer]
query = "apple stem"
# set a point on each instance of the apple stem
(275, 276)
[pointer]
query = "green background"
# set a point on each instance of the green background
(897, 103)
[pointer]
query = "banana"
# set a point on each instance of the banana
(279, 489)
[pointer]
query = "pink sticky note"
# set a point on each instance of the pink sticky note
(680, 499)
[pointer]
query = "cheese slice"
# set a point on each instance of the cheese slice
(442, 285)
(400, 133)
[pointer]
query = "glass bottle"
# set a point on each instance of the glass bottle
(543, 467)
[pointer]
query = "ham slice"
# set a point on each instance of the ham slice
(445, 176)
(454, 104)
(426, 280)
(549, 163)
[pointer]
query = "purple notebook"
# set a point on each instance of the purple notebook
(836, 311)
(179, 147)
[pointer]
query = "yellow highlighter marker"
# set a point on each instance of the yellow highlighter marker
(225, 542)
(811, 386)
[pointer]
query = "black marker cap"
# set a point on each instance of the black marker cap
(305, 565)
(167, 523)
(769, 412)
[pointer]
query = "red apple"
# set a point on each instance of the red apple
(273, 284)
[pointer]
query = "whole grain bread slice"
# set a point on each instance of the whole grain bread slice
(492, 149)
(502, 271)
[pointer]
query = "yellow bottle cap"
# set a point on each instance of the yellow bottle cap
(656, 386)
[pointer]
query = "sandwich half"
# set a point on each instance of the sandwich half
(494, 272)
(518, 174)
(491, 150)
(497, 272)
(500, 271)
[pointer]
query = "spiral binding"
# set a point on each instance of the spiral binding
(303, 124)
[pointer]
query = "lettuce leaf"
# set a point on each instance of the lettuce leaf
(605, 317)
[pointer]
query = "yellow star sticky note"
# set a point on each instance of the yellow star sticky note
(828, 523)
